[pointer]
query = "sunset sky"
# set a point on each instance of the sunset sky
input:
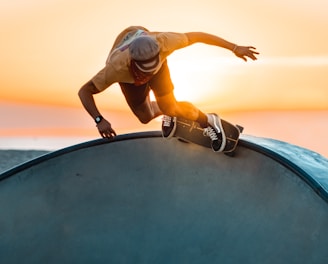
(49, 49)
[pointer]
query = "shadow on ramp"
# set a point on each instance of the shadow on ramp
(143, 199)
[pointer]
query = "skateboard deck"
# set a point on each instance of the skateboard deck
(191, 131)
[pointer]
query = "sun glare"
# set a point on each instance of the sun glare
(195, 78)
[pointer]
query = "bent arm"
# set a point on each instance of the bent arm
(86, 96)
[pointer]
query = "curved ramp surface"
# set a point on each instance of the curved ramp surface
(143, 199)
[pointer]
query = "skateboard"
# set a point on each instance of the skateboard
(191, 131)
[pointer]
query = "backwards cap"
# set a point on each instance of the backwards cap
(144, 50)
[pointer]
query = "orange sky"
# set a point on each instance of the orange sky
(50, 48)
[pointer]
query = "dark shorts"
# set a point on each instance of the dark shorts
(160, 84)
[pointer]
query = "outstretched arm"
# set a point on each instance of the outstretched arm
(86, 96)
(240, 51)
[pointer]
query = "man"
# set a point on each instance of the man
(138, 63)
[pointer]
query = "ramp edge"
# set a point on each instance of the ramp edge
(84, 145)
(318, 183)
(320, 186)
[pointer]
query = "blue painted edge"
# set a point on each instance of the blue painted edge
(246, 142)
(318, 184)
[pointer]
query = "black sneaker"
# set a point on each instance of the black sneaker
(169, 125)
(215, 132)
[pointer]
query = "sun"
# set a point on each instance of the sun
(195, 78)
(204, 77)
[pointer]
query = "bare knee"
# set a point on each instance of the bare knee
(143, 117)
(171, 107)
(144, 120)
(144, 112)
(181, 109)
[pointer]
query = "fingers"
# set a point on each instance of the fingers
(251, 47)
(108, 134)
(252, 56)
(252, 52)
(249, 52)
(105, 129)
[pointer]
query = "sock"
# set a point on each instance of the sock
(202, 119)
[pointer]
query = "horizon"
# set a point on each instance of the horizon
(307, 129)
(50, 49)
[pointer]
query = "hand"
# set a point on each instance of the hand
(245, 51)
(105, 129)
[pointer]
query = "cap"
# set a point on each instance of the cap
(144, 50)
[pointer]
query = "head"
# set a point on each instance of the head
(144, 52)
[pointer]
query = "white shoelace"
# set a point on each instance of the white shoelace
(167, 121)
(210, 132)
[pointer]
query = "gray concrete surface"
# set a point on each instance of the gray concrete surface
(148, 200)
(11, 158)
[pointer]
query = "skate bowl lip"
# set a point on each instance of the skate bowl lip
(313, 175)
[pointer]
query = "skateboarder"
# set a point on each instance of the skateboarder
(137, 61)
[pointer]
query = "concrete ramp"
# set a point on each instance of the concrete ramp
(143, 199)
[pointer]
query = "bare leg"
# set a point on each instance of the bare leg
(211, 123)
(156, 111)
(171, 107)
(139, 102)
(147, 111)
